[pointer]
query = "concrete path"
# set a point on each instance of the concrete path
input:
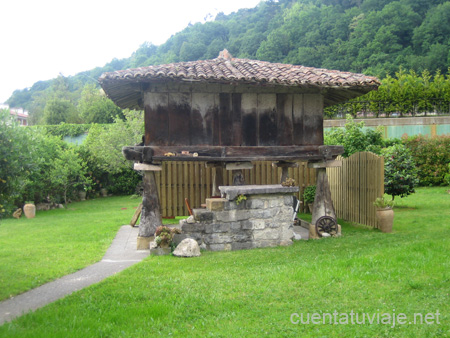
(121, 254)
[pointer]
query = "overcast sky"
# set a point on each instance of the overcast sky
(41, 38)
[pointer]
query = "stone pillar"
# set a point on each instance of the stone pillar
(151, 213)
(323, 204)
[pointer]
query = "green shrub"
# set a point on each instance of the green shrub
(309, 194)
(123, 182)
(400, 173)
(355, 138)
(431, 156)
(447, 176)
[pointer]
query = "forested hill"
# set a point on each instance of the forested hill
(375, 37)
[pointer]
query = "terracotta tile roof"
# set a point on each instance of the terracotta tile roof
(228, 70)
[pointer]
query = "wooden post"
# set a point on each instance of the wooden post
(238, 177)
(217, 180)
(151, 210)
(236, 169)
(284, 169)
(323, 204)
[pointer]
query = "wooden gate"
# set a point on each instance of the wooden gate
(356, 185)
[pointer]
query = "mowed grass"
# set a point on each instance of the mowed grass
(58, 242)
(253, 293)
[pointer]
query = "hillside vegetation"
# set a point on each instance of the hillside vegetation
(375, 37)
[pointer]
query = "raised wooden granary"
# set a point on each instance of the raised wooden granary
(232, 110)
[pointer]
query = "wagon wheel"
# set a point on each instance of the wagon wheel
(326, 224)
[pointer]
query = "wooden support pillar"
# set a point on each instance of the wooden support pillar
(284, 169)
(151, 211)
(217, 180)
(323, 204)
(237, 173)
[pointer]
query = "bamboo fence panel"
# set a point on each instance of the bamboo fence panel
(355, 186)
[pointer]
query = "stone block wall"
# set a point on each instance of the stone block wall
(261, 220)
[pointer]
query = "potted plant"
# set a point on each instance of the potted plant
(164, 239)
(309, 194)
(384, 213)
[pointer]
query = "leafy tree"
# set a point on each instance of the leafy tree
(69, 173)
(18, 156)
(58, 111)
(95, 107)
(400, 173)
(105, 143)
(354, 138)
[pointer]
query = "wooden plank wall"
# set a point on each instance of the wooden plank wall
(193, 180)
(356, 185)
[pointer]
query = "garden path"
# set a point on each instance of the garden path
(121, 254)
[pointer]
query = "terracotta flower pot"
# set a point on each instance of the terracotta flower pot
(29, 210)
(385, 219)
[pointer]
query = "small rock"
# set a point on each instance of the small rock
(325, 234)
(297, 236)
(187, 248)
(60, 206)
(203, 246)
(153, 245)
(190, 220)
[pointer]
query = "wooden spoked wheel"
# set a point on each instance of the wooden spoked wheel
(326, 224)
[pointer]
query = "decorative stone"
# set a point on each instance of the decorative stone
(325, 234)
(190, 220)
(215, 204)
(187, 248)
(153, 245)
(17, 213)
(297, 236)
(202, 215)
(231, 192)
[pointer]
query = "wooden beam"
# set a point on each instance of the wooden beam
(325, 164)
(147, 167)
(239, 165)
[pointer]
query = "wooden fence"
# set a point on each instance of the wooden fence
(356, 185)
(193, 180)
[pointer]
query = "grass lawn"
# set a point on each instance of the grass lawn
(58, 242)
(254, 293)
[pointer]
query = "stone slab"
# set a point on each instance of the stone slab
(231, 192)
(215, 204)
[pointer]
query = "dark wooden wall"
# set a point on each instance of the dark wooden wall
(233, 119)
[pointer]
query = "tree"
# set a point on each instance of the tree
(400, 173)
(105, 143)
(16, 161)
(58, 110)
(354, 138)
(95, 107)
(69, 173)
